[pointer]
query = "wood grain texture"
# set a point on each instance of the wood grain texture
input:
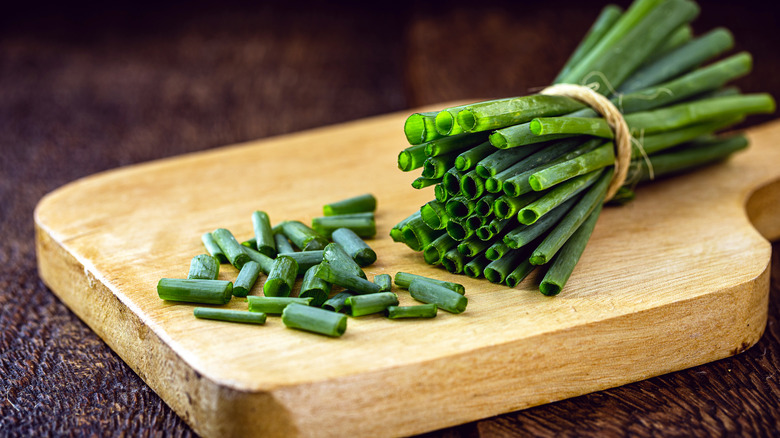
(671, 296)
(92, 86)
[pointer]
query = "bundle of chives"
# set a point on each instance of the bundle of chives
(531, 195)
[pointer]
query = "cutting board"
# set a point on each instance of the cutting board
(677, 278)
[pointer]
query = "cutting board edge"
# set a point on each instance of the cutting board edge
(201, 402)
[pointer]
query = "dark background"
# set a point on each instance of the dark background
(89, 87)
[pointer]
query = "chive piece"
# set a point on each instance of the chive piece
(203, 267)
(195, 291)
(404, 279)
(265, 262)
(451, 183)
(453, 143)
(263, 236)
(233, 250)
(354, 246)
(432, 293)
(525, 234)
(434, 252)
(434, 214)
(472, 247)
(360, 305)
(282, 244)
(498, 270)
(305, 259)
(418, 311)
(458, 230)
(446, 121)
(339, 260)
(412, 158)
(396, 233)
(385, 281)
(356, 204)
(363, 224)
(337, 302)
(476, 266)
(417, 235)
(440, 192)
(496, 251)
(421, 183)
(247, 277)
(281, 279)
(570, 125)
(506, 206)
(302, 236)
(213, 248)
(520, 272)
(421, 127)
(250, 243)
(472, 186)
(460, 207)
(314, 319)
(468, 159)
(436, 167)
(691, 157)
(230, 315)
(512, 137)
(501, 160)
(274, 305)
(453, 261)
(573, 219)
(315, 288)
(556, 196)
(484, 205)
(475, 221)
(493, 114)
(354, 283)
(564, 263)
(588, 163)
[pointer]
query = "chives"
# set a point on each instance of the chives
(418, 311)
(434, 252)
(265, 262)
(229, 315)
(305, 259)
(281, 279)
(385, 282)
(519, 273)
(264, 237)
(472, 185)
(421, 127)
(496, 251)
(315, 288)
(468, 159)
(356, 204)
(476, 266)
(501, 160)
(354, 283)
(440, 192)
(524, 234)
(361, 305)
(556, 196)
(460, 207)
(417, 235)
(458, 230)
(246, 279)
(341, 261)
(489, 115)
(411, 158)
(498, 270)
(405, 279)
(282, 244)
(353, 245)
(421, 183)
(435, 215)
(453, 143)
(213, 248)
(396, 233)
(313, 319)
(451, 183)
(472, 247)
(362, 224)
(233, 250)
(432, 293)
(203, 267)
(337, 302)
(274, 305)
(195, 291)
(484, 206)
(453, 261)
(302, 236)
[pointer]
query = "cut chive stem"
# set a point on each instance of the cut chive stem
(195, 291)
(246, 279)
(352, 282)
(472, 185)
(360, 305)
(421, 127)
(525, 234)
(274, 305)
(418, 311)
(453, 261)
(314, 319)
(304, 259)
(354, 246)
(469, 158)
(264, 237)
(203, 267)
(281, 279)
(213, 248)
(405, 279)
(363, 224)
(433, 253)
(499, 269)
(303, 236)
(282, 244)
(435, 215)
(338, 259)
(314, 287)
(233, 250)
(229, 315)
(432, 293)
(385, 281)
(421, 183)
(356, 204)
(476, 266)
(337, 302)
(265, 262)
(412, 158)
(555, 197)
(519, 273)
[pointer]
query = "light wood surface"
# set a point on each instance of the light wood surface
(675, 279)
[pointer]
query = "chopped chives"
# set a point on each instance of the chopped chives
(305, 259)
(417, 235)
(274, 305)
(453, 261)
(412, 158)
(434, 252)
(405, 279)
(421, 127)
(435, 215)
(476, 266)
(265, 262)
(360, 305)
(496, 251)
(432, 293)
(264, 238)
(203, 267)
(195, 291)
(363, 224)
(213, 248)
(315, 288)
(314, 319)
(418, 311)
(468, 159)
(250, 243)
(396, 233)
(282, 244)
(339, 260)
(352, 282)
(337, 302)
(421, 183)
(353, 245)
(233, 250)
(302, 236)
(356, 204)
(281, 279)
(385, 281)
(230, 315)
(246, 279)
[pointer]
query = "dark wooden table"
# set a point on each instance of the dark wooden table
(86, 88)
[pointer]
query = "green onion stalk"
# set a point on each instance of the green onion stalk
(519, 182)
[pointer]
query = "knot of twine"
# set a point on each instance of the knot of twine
(614, 119)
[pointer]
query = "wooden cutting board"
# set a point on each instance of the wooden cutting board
(677, 278)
